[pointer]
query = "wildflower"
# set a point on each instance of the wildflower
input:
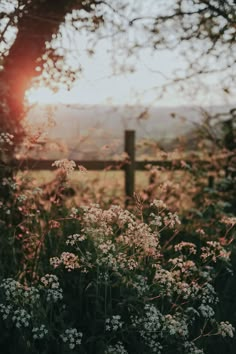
(39, 332)
(74, 212)
(6, 139)
(141, 285)
(229, 220)
(213, 250)
(22, 198)
(149, 326)
(174, 325)
(68, 259)
(171, 220)
(186, 246)
(21, 318)
(159, 204)
(5, 311)
(201, 232)
(71, 337)
(118, 348)
(65, 165)
(74, 239)
(114, 323)
(156, 220)
(190, 348)
(15, 293)
(225, 329)
(52, 286)
(206, 311)
(55, 262)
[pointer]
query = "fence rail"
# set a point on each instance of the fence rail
(129, 167)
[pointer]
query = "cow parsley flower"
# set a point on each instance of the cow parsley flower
(21, 318)
(71, 337)
(39, 332)
(114, 323)
(225, 329)
(118, 348)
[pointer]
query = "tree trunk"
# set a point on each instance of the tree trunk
(37, 22)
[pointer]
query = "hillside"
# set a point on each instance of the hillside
(84, 130)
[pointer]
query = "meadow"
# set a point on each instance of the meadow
(82, 273)
(106, 187)
(91, 262)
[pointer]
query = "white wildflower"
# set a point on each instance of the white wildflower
(71, 337)
(118, 348)
(225, 329)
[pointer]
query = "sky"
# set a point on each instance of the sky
(97, 83)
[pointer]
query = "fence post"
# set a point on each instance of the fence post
(130, 165)
(211, 181)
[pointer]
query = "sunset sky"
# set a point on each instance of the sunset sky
(98, 84)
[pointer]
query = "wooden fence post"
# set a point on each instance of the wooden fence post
(211, 181)
(130, 165)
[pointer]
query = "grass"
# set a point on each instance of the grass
(108, 186)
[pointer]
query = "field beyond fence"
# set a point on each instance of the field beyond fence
(129, 165)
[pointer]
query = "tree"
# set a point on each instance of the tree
(36, 22)
(206, 29)
(32, 25)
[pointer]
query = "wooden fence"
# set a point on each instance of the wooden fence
(129, 167)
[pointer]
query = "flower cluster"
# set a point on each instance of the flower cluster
(74, 239)
(149, 326)
(186, 247)
(152, 296)
(114, 323)
(213, 251)
(229, 220)
(69, 260)
(206, 311)
(17, 294)
(21, 318)
(118, 348)
(71, 337)
(159, 204)
(6, 139)
(140, 284)
(66, 166)
(52, 286)
(175, 325)
(122, 241)
(190, 348)
(39, 332)
(162, 217)
(171, 220)
(73, 212)
(22, 198)
(226, 329)
(9, 182)
(118, 242)
(5, 311)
